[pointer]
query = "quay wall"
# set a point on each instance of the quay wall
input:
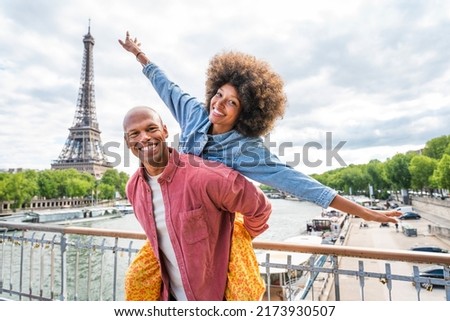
(40, 204)
(437, 211)
(432, 206)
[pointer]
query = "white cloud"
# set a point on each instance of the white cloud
(373, 73)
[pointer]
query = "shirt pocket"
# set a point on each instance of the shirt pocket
(194, 225)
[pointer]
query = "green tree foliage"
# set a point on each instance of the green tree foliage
(77, 187)
(437, 147)
(355, 178)
(402, 171)
(447, 150)
(266, 188)
(64, 183)
(47, 183)
(3, 184)
(377, 176)
(20, 188)
(329, 178)
(106, 192)
(118, 180)
(111, 177)
(397, 170)
(421, 169)
(123, 183)
(442, 172)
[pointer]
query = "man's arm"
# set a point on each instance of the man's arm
(244, 197)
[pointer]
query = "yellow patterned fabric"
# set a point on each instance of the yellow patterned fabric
(143, 278)
(244, 280)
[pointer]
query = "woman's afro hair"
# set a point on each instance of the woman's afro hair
(260, 90)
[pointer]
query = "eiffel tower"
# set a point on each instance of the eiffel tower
(83, 148)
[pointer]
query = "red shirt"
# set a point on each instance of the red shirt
(200, 199)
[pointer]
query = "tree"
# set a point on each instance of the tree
(442, 172)
(115, 179)
(421, 169)
(20, 189)
(447, 150)
(436, 147)
(355, 178)
(47, 183)
(78, 187)
(3, 184)
(123, 183)
(397, 171)
(376, 171)
(106, 191)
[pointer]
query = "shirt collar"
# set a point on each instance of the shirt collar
(169, 170)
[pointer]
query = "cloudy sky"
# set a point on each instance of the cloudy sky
(374, 75)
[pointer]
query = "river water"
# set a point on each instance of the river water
(288, 218)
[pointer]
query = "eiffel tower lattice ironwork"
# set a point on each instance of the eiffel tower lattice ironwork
(83, 149)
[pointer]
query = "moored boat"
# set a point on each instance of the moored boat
(124, 208)
(283, 284)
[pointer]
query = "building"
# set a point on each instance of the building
(83, 149)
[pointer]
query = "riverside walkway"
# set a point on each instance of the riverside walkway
(388, 238)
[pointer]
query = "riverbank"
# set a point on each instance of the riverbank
(374, 236)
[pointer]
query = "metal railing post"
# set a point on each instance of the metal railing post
(116, 244)
(21, 264)
(335, 265)
(361, 278)
(63, 250)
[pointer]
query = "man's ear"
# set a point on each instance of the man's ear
(165, 131)
(125, 138)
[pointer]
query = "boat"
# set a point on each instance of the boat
(331, 212)
(274, 196)
(373, 204)
(124, 208)
(48, 216)
(17, 218)
(328, 225)
(99, 211)
(283, 284)
(319, 224)
(71, 214)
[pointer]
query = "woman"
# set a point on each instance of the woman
(244, 98)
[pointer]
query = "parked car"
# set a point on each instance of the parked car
(410, 216)
(432, 273)
(430, 248)
(404, 209)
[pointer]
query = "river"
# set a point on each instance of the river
(288, 218)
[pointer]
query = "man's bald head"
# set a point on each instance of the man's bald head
(139, 112)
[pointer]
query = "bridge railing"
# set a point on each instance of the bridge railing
(52, 262)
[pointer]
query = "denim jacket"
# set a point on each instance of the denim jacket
(248, 155)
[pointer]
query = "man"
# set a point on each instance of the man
(186, 207)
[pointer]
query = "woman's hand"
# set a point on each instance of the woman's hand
(131, 45)
(383, 216)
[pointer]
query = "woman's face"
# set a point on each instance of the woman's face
(225, 108)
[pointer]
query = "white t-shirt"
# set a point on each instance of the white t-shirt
(176, 285)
